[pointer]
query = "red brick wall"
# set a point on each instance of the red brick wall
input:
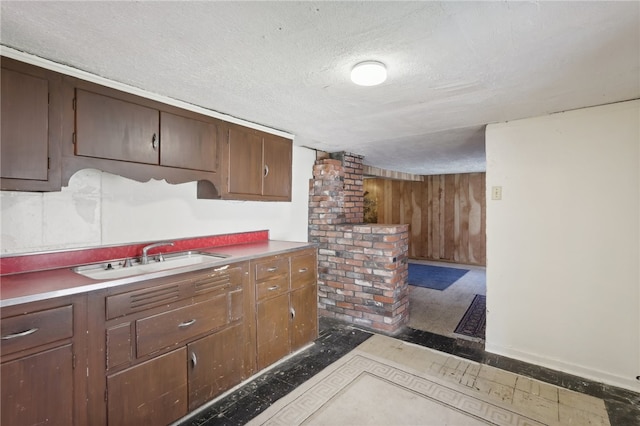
(353, 188)
(362, 268)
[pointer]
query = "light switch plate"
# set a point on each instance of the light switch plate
(496, 193)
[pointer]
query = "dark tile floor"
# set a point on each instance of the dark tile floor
(337, 338)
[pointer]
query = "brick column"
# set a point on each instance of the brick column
(353, 188)
(362, 268)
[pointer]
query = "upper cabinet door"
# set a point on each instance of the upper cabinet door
(244, 162)
(188, 143)
(115, 129)
(277, 167)
(256, 166)
(25, 126)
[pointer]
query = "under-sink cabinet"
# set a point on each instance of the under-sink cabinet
(172, 347)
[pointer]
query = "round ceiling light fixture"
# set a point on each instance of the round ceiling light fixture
(369, 73)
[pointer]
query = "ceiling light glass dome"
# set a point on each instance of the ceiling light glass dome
(369, 73)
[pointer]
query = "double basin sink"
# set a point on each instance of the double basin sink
(114, 269)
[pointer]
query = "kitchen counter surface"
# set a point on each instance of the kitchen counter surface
(34, 286)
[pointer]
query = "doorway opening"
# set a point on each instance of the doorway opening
(457, 311)
(446, 218)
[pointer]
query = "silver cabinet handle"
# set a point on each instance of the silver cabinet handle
(21, 334)
(187, 323)
(273, 287)
(272, 269)
(194, 360)
(302, 270)
(266, 170)
(293, 313)
(154, 141)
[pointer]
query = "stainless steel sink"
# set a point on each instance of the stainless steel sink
(121, 268)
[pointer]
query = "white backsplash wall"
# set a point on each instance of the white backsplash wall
(99, 208)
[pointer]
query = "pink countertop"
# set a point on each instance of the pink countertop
(27, 287)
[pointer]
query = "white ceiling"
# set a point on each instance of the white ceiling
(453, 66)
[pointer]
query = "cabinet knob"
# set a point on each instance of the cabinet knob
(293, 313)
(303, 270)
(194, 360)
(154, 142)
(273, 287)
(266, 170)
(272, 269)
(21, 334)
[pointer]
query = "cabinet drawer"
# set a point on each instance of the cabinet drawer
(170, 328)
(303, 270)
(267, 289)
(35, 329)
(272, 268)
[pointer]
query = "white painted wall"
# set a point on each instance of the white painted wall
(563, 244)
(99, 208)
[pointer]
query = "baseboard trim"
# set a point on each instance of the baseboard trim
(554, 364)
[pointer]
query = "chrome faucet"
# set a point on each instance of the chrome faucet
(145, 257)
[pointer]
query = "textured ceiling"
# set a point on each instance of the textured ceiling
(453, 66)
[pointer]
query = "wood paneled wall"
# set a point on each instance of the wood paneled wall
(446, 214)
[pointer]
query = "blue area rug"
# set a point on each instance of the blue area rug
(474, 321)
(435, 277)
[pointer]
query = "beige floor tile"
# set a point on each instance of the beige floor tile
(410, 355)
(496, 391)
(574, 416)
(523, 384)
(535, 406)
(499, 376)
(435, 369)
(544, 390)
(451, 374)
(537, 388)
(379, 345)
(541, 401)
(469, 377)
(582, 402)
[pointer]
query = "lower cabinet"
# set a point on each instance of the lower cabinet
(215, 364)
(304, 316)
(148, 353)
(41, 381)
(50, 374)
(286, 304)
(165, 388)
(151, 393)
(273, 330)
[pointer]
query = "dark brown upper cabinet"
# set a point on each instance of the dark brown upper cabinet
(139, 138)
(54, 125)
(257, 166)
(115, 129)
(31, 128)
(277, 154)
(188, 143)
